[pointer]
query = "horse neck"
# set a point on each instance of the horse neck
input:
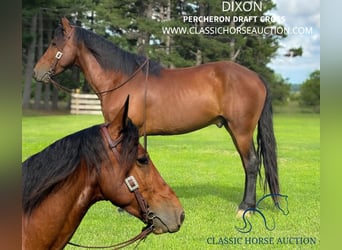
(63, 209)
(98, 78)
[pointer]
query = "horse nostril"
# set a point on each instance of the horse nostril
(182, 217)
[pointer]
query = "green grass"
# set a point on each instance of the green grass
(205, 171)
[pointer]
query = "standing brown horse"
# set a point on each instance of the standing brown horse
(173, 101)
(99, 163)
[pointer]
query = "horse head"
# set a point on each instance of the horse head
(141, 190)
(60, 54)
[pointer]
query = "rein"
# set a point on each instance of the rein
(144, 233)
(128, 79)
(61, 87)
(133, 187)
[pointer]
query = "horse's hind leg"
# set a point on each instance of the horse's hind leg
(243, 140)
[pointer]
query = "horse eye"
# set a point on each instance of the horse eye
(143, 160)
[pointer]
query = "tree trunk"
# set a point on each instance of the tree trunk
(30, 64)
(54, 99)
(169, 40)
(47, 93)
(168, 37)
(144, 38)
(47, 87)
(38, 90)
(233, 51)
(199, 58)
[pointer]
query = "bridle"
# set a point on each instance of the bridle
(58, 56)
(130, 181)
(52, 69)
(133, 186)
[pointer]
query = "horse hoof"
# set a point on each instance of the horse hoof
(241, 213)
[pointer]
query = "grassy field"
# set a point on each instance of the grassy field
(205, 171)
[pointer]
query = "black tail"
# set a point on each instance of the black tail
(267, 147)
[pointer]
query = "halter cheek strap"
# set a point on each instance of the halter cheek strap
(59, 55)
(130, 181)
(51, 71)
(112, 143)
(133, 186)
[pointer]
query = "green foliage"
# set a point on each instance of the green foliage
(293, 52)
(310, 91)
(280, 89)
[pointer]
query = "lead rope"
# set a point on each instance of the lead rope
(99, 93)
(126, 81)
(142, 236)
(61, 87)
(145, 102)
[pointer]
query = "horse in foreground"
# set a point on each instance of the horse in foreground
(103, 162)
(173, 101)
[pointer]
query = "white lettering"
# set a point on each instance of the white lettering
(245, 6)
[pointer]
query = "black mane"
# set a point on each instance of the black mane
(45, 171)
(111, 56)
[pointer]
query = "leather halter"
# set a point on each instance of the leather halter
(58, 56)
(133, 187)
(130, 181)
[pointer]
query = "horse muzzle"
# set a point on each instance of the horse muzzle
(165, 224)
(42, 77)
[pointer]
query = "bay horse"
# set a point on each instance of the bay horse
(174, 101)
(103, 162)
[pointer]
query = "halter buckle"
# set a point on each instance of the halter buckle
(58, 55)
(131, 183)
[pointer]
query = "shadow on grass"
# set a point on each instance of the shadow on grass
(232, 194)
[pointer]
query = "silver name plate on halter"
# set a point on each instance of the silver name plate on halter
(131, 183)
(59, 55)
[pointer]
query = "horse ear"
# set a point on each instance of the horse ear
(125, 113)
(66, 25)
(121, 120)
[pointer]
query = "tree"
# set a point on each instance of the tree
(293, 52)
(310, 92)
(39, 19)
(38, 90)
(29, 63)
(280, 89)
(131, 24)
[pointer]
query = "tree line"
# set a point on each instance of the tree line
(137, 26)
